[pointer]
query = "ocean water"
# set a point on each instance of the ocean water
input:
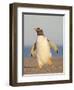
(27, 52)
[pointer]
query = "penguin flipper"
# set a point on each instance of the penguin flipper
(53, 46)
(33, 50)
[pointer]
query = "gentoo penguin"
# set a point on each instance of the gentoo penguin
(41, 49)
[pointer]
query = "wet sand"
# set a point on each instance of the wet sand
(31, 66)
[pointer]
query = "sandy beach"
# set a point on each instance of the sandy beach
(31, 66)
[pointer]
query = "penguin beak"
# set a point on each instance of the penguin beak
(35, 29)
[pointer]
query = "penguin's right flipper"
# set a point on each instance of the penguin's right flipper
(33, 50)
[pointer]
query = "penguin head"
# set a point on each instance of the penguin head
(39, 31)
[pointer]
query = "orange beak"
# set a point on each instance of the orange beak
(35, 29)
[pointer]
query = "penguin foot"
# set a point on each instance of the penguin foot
(50, 62)
(40, 66)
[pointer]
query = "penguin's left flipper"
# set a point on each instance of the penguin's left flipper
(57, 51)
(53, 46)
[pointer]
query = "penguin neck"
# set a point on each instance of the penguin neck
(40, 38)
(40, 34)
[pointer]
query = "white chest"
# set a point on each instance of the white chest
(43, 48)
(42, 42)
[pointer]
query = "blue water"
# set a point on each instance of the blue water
(27, 52)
